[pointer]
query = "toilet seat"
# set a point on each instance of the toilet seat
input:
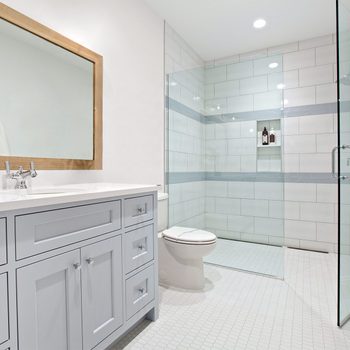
(187, 235)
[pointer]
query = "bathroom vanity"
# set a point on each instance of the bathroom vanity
(78, 265)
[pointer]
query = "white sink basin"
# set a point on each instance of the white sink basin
(49, 191)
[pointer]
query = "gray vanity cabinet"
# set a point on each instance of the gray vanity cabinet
(4, 320)
(102, 293)
(3, 248)
(49, 304)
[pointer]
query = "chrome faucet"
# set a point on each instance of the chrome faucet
(20, 175)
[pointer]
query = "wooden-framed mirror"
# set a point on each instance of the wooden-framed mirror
(50, 97)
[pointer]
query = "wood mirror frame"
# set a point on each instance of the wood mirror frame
(28, 24)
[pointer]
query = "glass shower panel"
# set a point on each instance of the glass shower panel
(344, 160)
(244, 109)
(221, 176)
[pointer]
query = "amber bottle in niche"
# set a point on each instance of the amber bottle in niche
(272, 136)
(265, 137)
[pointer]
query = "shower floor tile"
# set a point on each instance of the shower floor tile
(239, 310)
(259, 258)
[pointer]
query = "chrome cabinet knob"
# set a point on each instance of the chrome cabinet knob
(141, 290)
(77, 266)
(140, 247)
(90, 261)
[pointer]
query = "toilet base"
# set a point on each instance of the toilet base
(179, 272)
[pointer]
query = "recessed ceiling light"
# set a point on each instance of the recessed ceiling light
(280, 86)
(259, 23)
(273, 65)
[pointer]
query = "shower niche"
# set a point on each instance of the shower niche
(269, 156)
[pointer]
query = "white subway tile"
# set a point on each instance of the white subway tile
(300, 192)
(253, 85)
(299, 144)
(268, 100)
(232, 130)
(314, 42)
(326, 93)
(178, 161)
(326, 142)
(291, 163)
(326, 54)
(252, 55)
(276, 209)
(315, 162)
(327, 232)
(216, 221)
(297, 229)
(209, 91)
(299, 59)
(240, 104)
(290, 79)
(227, 163)
(300, 96)
(228, 206)
(241, 223)
(269, 190)
(226, 60)
(292, 210)
(227, 88)
(216, 74)
(249, 237)
(269, 226)
(254, 207)
(261, 66)
(248, 129)
(316, 124)
(281, 49)
(241, 146)
(290, 242)
(328, 193)
(316, 75)
(216, 188)
(216, 147)
(240, 70)
(320, 212)
(216, 106)
(290, 126)
(210, 131)
(248, 163)
(241, 189)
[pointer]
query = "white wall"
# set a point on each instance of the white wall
(130, 38)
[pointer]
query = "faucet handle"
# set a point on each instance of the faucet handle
(33, 172)
(8, 167)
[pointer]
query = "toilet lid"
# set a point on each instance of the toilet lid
(189, 235)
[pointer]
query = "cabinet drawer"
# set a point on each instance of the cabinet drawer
(139, 291)
(43, 231)
(4, 320)
(138, 209)
(3, 248)
(138, 247)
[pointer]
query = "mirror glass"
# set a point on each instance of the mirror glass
(46, 98)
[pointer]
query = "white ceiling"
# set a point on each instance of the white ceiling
(220, 28)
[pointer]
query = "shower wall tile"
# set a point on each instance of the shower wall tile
(300, 96)
(326, 93)
(268, 100)
(299, 59)
(315, 42)
(315, 163)
(281, 49)
(316, 124)
(316, 75)
(240, 103)
(261, 66)
(240, 70)
(303, 230)
(299, 143)
(253, 85)
(326, 54)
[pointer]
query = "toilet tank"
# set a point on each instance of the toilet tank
(162, 211)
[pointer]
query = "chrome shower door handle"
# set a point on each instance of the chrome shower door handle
(333, 161)
(334, 174)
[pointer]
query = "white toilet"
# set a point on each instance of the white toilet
(181, 251)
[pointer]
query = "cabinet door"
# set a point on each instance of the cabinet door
(101, 290)
(4, 321)
(49, 304)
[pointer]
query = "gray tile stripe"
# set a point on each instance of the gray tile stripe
(323, 108)
(182, 177)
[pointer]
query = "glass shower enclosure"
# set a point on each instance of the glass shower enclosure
(224, 174)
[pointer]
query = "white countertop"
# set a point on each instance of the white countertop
(41, 196)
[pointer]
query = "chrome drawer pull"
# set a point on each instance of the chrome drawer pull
(141, 290)
(90, 261)
(140, 247)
